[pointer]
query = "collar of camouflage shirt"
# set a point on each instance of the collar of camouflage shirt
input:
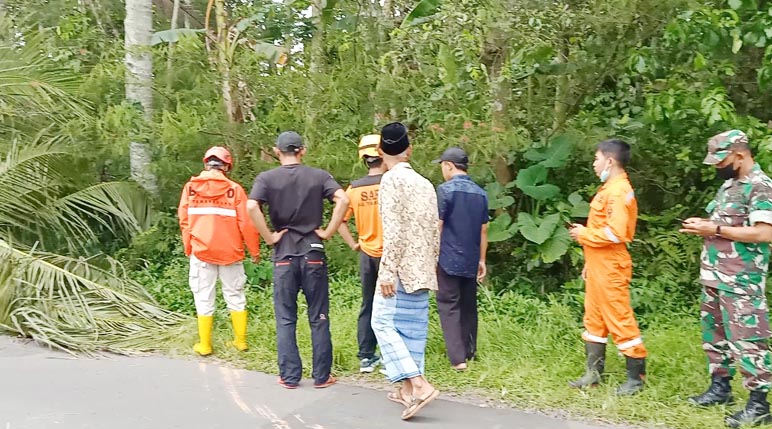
(756, 169)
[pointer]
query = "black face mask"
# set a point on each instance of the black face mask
(726, 173)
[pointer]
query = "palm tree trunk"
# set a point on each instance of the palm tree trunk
(317, 40)
(223, 61)
(170, 57)
(315, 67)
(139, 84)
(188, 8)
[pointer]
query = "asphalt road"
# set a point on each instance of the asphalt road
(40, 388)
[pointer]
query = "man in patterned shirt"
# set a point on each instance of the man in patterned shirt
(408, 271)
(735, 256)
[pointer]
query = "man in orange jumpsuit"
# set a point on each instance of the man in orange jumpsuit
(608, 270)
(215, 225)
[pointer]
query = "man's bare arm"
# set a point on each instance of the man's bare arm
(347, 237)
(341, 205)
(258, 218)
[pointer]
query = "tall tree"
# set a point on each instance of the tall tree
(139, 85)
(170, 58)
(317, 40)
(224, 61)
(187, 7)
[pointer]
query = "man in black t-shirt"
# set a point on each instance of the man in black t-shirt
(295, 197)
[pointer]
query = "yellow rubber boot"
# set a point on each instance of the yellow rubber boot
(204, 345)
(239, 321)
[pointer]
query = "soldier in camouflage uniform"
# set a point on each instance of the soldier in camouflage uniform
(735, 256)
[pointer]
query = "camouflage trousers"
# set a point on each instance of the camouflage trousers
(735, 328)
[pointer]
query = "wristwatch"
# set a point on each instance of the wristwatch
(718, 230)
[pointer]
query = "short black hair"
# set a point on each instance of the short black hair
(616, 149)
(292, 150)
(741, 145)
(373, 161)
(462, 167)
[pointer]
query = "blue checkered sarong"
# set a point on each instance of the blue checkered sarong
(401, 325)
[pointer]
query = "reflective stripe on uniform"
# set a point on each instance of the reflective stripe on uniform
(610, 235)
(630, 344)
(594, 338)
(211, 211)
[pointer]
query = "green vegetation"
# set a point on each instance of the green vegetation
(529, 346)
(527, 87)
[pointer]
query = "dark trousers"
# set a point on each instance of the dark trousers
(368, 274)
(309, 274)
(457, 305)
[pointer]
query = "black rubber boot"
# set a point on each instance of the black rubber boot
(719, 393)
(596, 361)
(636, 372)
(756, 412)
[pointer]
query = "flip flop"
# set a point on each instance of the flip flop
(330, 381)
(419, 403)
(286, 385)
(397, 397)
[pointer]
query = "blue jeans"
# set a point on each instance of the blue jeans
(306, 273)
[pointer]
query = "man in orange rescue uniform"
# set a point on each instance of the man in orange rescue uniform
(608, 270)
(215, 225)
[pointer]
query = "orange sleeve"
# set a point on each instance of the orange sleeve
(182, 214)
(615, 229)
(350, 210)
(248, 231)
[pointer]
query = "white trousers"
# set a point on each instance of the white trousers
(203, 277)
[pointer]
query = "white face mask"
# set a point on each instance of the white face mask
(604, 175)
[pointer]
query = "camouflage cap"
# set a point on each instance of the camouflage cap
(718, 145)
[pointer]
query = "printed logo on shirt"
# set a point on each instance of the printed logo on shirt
(317, 245)
(371, 195)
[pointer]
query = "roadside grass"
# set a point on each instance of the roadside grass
(528, 350)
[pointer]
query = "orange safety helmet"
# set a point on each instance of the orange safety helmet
(220, 153)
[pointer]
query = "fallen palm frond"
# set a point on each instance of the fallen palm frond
(75, 306)
(70, 303)
(50, 200)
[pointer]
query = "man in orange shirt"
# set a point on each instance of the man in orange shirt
(215, 225)
(608, 270)
(363, 194)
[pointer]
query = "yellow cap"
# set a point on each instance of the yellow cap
(368, 146)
